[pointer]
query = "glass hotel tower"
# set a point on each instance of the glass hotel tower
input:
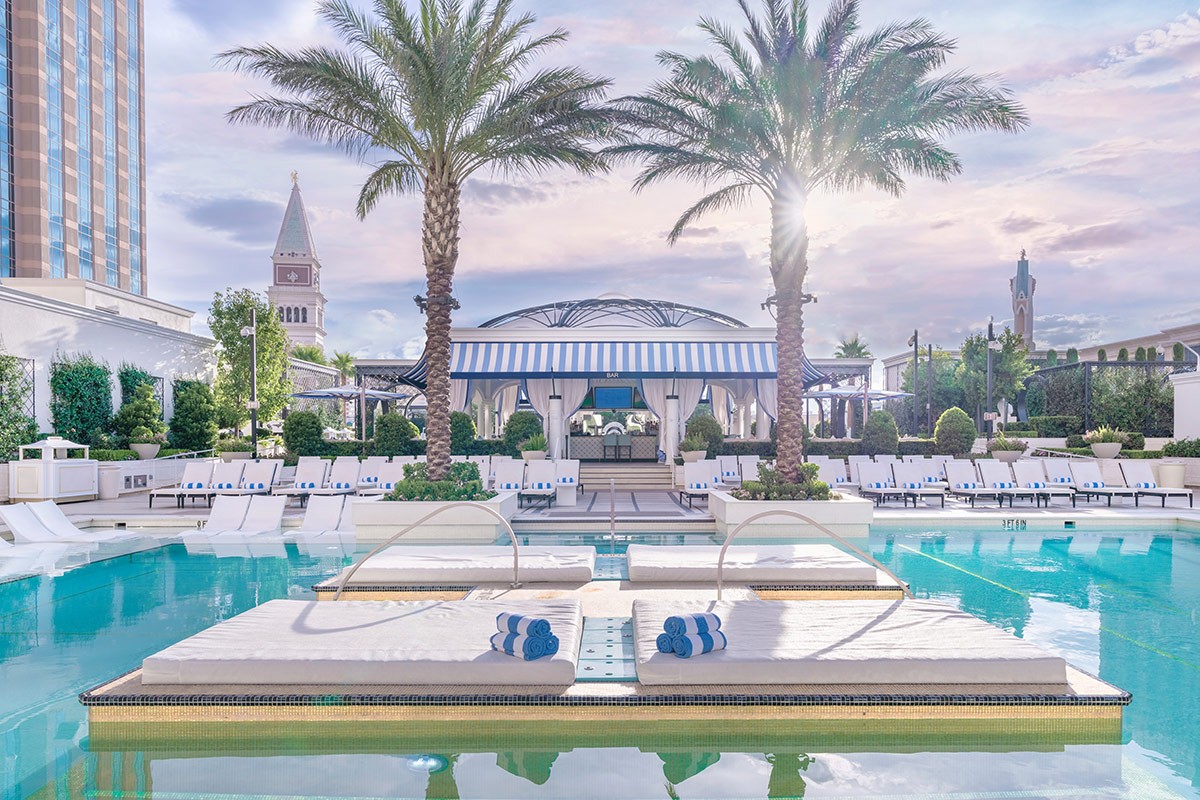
(72, 142)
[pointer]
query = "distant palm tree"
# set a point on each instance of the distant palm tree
(344, 363)
(310, 353)
(854, 347)
(440, 94)
(788, 109)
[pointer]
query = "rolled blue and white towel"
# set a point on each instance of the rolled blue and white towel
(528, 648)
(526, 626)
(698, 644)
(664, 643)
(689, 624)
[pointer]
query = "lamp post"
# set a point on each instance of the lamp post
(252, 406)
(992, 345)
(914, 342)
(929, 395)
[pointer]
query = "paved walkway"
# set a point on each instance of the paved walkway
(630, 506)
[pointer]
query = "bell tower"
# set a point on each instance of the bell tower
(295, 290)
(1022, 286)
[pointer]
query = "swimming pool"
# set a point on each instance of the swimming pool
(1120, 605)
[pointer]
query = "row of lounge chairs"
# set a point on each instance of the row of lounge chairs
(723, 472)
(1037, 480)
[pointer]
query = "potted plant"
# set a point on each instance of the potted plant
(534, 448)
(234, 449)
(1007, 450)
(415, 497)
(146, 443)
(693, 448)
(1105, 442)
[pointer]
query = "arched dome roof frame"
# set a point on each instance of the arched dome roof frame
(615, 312)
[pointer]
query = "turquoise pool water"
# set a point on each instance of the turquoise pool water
(1121, 605)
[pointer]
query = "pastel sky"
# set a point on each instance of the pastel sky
(1101, 189)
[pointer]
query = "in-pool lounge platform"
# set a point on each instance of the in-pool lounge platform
(381, 662)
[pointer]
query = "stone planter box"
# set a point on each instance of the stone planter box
(376, 520)
(849, 517)
(1191, 469)
(4, 482)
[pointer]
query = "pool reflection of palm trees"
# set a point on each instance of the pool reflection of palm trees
(785, 779)
(442, 784)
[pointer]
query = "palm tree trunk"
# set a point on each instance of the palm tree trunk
(789, 266)
(440, 246)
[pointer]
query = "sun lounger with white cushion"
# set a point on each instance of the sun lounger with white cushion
(1138, 475)
(64, 531)
(963, 481)
(510, 476)
(877, 483)
(257, 478)
(540, 483)
(451, 565)
(566, 473)
(996, 475)
(343, 477)
(310, 476)
(322, 514)
(696, 478)
(912, 480)
(196, 477)
(833, 473)
(748, 467)
(1031, 474)
(770, 564)
(1090, 483)
(388, 476)
(843, 642)
(1058, 472)
(422, 643)
(727, 467)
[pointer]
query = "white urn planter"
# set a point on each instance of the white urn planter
(145, 451)
(377, 520)
(533, 455)
(1007, 456)
(692, 456)
(849, 516)
(235, 455)
(1106, 449)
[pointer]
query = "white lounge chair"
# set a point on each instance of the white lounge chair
(388, 476)
(539, 483)
(196, 477)
(1031, 474)
(343, 478)
(566, 473)
(52, 517)
(322, 515)
(1090, 483)
(20, 560)
(510, 476)
(696, 477)
(748, 467)
(728, 470)
(964, 482)
(257, 478)
(884, 458)
(878, 483)
(940, 462)
(833, 473)
(234, 521)
(225, 475)
(996, 475)
(310, 476)
(369, 472)
(1058, 472)
(912, 480)
(1138, 475)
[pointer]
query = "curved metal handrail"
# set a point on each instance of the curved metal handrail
(512, 536)
(782, 512)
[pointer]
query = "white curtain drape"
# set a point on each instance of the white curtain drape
(720, 405)
(509, 396)
(460, 394)
(573, 392)
(688, 391)
(654, 392)
(767, 391)
(538, 390)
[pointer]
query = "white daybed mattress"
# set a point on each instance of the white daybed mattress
(440, 565)
(368, 642)
(842, 641)
(786, 563)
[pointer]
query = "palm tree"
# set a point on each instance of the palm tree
(437, 95)
(854, 347)
(311, 353)
(343, 362)
(786, 110)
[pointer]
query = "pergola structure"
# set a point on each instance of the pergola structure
(555, 356)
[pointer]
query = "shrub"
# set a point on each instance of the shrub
(954, 433)
(771, 486)
(113, 455)
(707, 428)
(129, 378)
(691, 444)
(80, 397)
(1139, 354)
(194, 424)
(1002, 444)
(462, 483)
(234, 446)
(1102, 354)
(142, 411)
(1151, 354)
(1056, 427)
(1177, 352)
(520, 426)
(1072, 355)
(880, 434)
(462, 432)
(1106, 435)
(918, 447)
(742, 448)
(481, 447)
(1051, 358)
(144, 435)
(1087, 451)
(834, 448)
(302, 434)
(393, 435)
(1135, 441)
(1182, 448)
(535, 442)
(1123, 354)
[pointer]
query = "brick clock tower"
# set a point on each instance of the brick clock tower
(295, 290)
(1022, 286)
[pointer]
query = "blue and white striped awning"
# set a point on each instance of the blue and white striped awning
(478, 360)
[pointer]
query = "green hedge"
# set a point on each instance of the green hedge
(1019, 433)
(835, 448)
(1056, 427)
(918, 447)
(1182, 448)
(1087, 451)
(113, 455)
(80, 397)
(764, 449)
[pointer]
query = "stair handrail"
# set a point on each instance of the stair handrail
(787, 512)
(512, 536)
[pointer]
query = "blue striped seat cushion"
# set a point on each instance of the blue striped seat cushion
(567, 479)
(226, 486)
(510, 486)
(342, 485)
(966, 485)
(255, 486)
(1061, 479)
(1093, 485)
(931, 479)
(1003, 485)
(541, 485)
(697, 485)
(193, 485)
(1035, 485)
(877, 485)
(1146, 485)
(912, 485)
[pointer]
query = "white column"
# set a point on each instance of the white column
(762, 423)
(555, 427)
(670, 429)
(1187, 404)
(743, 418)
(481, 418)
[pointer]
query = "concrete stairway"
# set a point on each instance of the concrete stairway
(595, 476)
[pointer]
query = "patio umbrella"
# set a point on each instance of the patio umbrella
(348, 392)
(856, 393)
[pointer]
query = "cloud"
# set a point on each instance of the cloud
(222, 16)
(1105, 235)
(1015, 223)
(504, 194)
(243, 220)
